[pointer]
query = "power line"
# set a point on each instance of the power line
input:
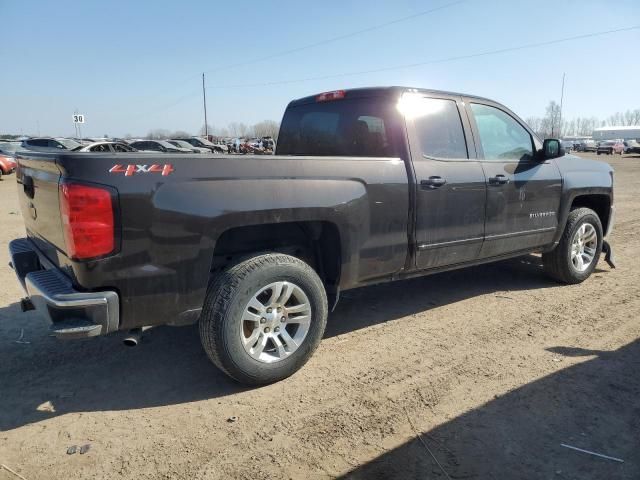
(431, 62)
(318, 44)
(338, 38)
(409, 65)
(168, 105)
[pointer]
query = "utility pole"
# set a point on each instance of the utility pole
(561, 101)
(204, 101)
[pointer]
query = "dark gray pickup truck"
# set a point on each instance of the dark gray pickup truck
(367, 185)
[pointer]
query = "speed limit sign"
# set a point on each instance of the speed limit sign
(78, 118)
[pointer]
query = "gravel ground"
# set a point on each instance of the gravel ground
(479, 373)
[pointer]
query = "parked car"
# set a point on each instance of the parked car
(157, 146)
(568, 145)
(111, 147)
(586, 146)
(630, 146)
(610, 147)
(188, 146)
(50, 144)
(204, 143)
(7, 164)
(10, 147)
(258, 249)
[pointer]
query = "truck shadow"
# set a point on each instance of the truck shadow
(47, 377)
(390, 301)
(591, 405)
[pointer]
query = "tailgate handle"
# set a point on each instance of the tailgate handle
(27, 185)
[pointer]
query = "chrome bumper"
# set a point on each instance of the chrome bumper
(72, 313)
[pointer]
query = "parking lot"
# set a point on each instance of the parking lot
(479, 373)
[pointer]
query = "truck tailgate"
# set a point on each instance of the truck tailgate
(37, 176)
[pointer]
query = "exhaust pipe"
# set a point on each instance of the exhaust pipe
(133, 338)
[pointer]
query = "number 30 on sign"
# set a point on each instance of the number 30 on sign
(78, 118)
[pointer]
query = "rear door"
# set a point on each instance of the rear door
(523, 193)
(450, 183)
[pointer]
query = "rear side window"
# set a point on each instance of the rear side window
(119, 147)
(439, 128)
(101, 148)
(365, 127)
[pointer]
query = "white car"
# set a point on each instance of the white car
(109, 147)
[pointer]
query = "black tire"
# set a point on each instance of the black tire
(557, 263)
(227, 296)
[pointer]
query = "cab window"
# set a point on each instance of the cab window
(439, 128)
(502, 138)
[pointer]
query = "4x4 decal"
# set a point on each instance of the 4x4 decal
(129, 170)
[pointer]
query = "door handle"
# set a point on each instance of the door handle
(498, 180)
(432, 182)
(27, 186)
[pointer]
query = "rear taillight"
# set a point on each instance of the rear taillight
(87, 220)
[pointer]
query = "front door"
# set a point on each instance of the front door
(523, 193)
(450, 184)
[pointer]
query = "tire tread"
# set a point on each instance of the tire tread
(221, 292)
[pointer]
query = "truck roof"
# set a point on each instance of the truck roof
(391, 92)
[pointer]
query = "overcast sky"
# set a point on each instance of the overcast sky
(135, 66)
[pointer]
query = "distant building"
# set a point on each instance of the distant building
(615, 133)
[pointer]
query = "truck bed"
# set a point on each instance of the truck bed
(171, 210)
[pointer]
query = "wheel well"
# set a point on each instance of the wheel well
(317, 243)
(599, 203)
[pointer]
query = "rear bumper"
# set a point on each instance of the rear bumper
(72, 313)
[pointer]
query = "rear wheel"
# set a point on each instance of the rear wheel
(263, 318)
(575, 257)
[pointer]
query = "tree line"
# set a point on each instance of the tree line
(266, 128)
(552, 125)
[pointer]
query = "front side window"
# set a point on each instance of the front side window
(439, 128)
(501, 136)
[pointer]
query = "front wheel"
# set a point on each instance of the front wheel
(576, 255)
(263, 318)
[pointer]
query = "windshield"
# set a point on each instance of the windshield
(181, 143)
(68, 143)
(165, 144)
(205, 142)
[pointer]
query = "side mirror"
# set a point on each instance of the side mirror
(552, 148)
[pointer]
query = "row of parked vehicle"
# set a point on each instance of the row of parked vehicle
(608, 147)
(263, 145)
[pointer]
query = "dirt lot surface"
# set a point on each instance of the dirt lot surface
(479, 373)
